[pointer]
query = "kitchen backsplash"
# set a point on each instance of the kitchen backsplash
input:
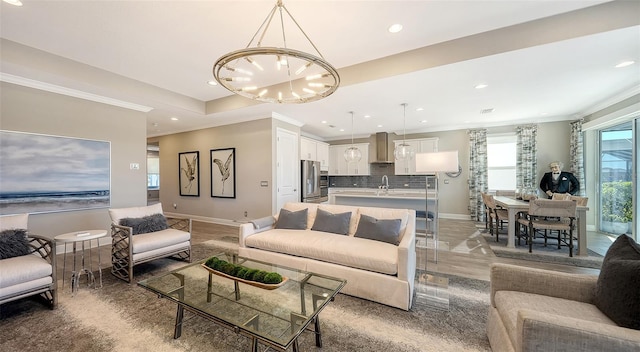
(395, 182)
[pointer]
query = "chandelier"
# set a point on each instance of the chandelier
(403, 151)
(352, 154)
(276, 74)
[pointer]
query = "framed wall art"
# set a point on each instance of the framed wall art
(189, 169)
(223, 173)
(43, 173)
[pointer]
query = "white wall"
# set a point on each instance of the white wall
(30, 110)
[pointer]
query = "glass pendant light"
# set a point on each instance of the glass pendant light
(352, 154)
(403, 151)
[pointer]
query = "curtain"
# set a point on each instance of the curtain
(526, 161)
(478, 179)
(576, 158)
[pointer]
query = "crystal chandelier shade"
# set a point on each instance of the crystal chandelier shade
(352, 154)
(277, 73)
(403, 150)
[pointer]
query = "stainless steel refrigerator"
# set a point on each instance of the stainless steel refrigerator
(310, 177)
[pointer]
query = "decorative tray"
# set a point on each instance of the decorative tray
(248, 282)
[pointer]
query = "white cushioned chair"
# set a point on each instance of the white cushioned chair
(30, 274)
(128, 250)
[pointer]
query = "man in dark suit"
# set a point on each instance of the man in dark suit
(558, 181)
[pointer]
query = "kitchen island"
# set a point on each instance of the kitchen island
(392, 198)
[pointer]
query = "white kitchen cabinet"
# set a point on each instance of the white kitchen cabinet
(308, 149)
(339, 166)
(424, 145)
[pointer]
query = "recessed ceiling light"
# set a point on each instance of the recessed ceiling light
(174, 119)
(419, 109)
(379, 126)
(423, 121)
(13, 2)
(481, 85)
(543, 113)
(395, 28)
(342, 130)
(625, 64)
(367, 116)
(212, 83)
(324, 121)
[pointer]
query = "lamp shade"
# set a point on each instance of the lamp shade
(437, 162)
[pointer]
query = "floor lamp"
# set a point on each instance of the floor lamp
(433, 163)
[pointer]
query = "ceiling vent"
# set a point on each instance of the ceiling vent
(486, 111)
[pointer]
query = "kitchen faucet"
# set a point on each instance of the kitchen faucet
(385, 183)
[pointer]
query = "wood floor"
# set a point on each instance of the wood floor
(460, 252)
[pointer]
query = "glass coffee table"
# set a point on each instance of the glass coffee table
(273, 317)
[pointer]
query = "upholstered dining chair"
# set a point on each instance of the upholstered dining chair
(551, 215)
(495, 214)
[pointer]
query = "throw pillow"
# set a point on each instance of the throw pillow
(380, 230)
(617, 289)
(14, 243)
(147, 224)
(292, 220)
(333, 223)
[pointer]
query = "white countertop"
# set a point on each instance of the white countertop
(380, 193)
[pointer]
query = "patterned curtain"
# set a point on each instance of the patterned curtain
(576, 158)
(477, 172)
(526, 160)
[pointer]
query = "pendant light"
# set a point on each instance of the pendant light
(403, 151)
(352, 154)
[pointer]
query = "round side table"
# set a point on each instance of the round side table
(81, 238)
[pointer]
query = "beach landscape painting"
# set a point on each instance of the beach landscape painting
(42, 173)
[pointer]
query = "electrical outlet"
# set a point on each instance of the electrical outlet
(134, 166)
(245, 213)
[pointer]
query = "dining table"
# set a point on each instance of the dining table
(514, 206)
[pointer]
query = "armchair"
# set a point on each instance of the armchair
(130, 247)
(30, 274)
(540, 310)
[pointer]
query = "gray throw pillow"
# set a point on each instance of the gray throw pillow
(147, 224)
(292, 220)
(333, 223)
(387, 230)
(618, 288)
(14, 243)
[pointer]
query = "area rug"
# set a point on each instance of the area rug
(540, 253)
(123, 317)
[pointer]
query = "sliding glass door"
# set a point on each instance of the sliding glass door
(618, 167)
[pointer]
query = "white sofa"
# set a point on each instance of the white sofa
(30, 274)
(374, 270)
(128, 250)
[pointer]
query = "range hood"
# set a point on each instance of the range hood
(382, 149)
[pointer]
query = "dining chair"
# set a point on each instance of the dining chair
(551, 215)
(561, 196)
(495, 214)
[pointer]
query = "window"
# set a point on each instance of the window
(501, 162)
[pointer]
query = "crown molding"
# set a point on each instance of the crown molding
(27, 82)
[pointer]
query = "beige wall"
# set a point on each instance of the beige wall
(30, 110)
(254, 162)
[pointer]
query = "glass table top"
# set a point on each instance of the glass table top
(277, 316)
